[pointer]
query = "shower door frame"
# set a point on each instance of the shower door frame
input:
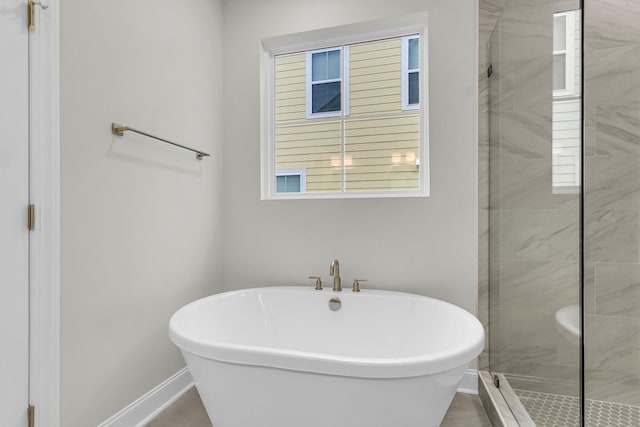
(581, 293)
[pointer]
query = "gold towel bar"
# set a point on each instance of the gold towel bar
(119, 130)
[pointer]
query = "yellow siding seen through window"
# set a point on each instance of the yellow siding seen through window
(378, 141)
(315, 147)
(381, 153)
(290, 87)
(375, 77)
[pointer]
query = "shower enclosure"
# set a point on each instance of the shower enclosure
(564, 211)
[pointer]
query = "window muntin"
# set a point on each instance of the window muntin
(410, 72)
(372, 147)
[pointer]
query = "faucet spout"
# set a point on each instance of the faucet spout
(334, 270)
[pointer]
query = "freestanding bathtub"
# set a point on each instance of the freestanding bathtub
(280, 357)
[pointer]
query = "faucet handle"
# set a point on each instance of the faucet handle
(356, 284)
(318, 282)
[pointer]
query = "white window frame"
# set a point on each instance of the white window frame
(345, 35)
(570, 55)
(295, 172)
(344, 83)
(406, 71)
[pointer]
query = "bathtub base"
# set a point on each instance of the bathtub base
(236, 395)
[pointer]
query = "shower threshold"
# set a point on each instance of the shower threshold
(501, 403)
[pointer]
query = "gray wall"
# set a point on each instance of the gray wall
(612, 202)
(423, 245)
(141, 221)
(143, 224)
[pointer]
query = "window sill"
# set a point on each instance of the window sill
(347, 195)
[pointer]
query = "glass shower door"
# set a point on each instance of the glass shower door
(534, 191)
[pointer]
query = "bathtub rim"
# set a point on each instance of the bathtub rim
(332, 364)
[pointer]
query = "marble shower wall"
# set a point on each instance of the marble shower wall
(612, 200)
(533, 233)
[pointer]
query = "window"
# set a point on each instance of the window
(564, 55)
(324, 83)
(291, 181)
(344, 112)
(410, 72)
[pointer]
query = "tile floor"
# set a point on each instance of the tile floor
(465, 411)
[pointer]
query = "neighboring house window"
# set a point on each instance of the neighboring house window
(291, 181)
(410, 72)
(324, 82)
(564, 55)
(351, 114)
(567, 103)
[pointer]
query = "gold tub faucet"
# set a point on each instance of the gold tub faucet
(334, 271)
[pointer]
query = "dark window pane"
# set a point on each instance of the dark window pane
(293, 184)
(325, 65)
(414, 54)
(333, 64)
(559, 32)
(325, 97)
(414, 88)
(288, 184)
(319, 66)
(559, 71)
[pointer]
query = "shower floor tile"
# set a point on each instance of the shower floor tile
(553, 410)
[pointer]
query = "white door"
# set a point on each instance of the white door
(14, 199)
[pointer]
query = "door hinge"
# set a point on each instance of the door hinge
(31, 415)
(496, 381)
(490, 70)
(31, 13)
(31, 217)
(31, 25)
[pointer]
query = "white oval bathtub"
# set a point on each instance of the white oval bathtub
(279, 357)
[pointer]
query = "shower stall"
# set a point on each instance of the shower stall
(564, 211)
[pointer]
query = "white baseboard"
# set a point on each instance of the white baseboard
(147, 407)
(469, 382)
